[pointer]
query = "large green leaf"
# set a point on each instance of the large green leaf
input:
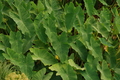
(40, 30)
(111, 57)
(90, 68)
(70, 16)
(25, 63)
(72, 63)
(95, 48)
(59, 43)
(54, 5)
(22, 18)
(118, 1)
(27, 66)
(5, 40)
(103, 2)
(80, 48)
(104, 42)
(49, 8)
(40, 6)
(104, 70)
(91, 72)
(80, 17)
(105, 18)
(89, 4)
(41, 75)
(27, 42)
(37, 7)
(61, 46)
(65, 71)
(16, 42)
(115, 11)
(43, 55)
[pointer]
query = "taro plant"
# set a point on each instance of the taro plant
(48, 42)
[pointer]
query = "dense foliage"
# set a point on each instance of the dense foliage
(61, 40)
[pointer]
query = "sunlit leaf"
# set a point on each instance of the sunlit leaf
(90, 70)
(104, 70)
(118, 1)
(72, 63)
(22, 19)
(43, 55)
(80, 48)
(40, 75)
(65, 71)
(106, 43)
(103, 2)
(89, 4)
(16, 42)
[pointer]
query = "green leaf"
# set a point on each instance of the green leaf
(60, 45)
(16, 42)
(103, 2)
(115, 11)
(40, 6)
(25, 63)
(105, 18)
(27, 42)
(55, 5)
(70, 16)
(22, 19)
(65, 71)
(105, 71)
(106, 43)
(33, 5)
(118, 1)
(72, 63)
(80, 16)
(98, 26)
(69, 20)
(27, 66)
(41, 75)
(117, 70)
(89, 4)
(101, 29)
(43, 55)
(40, 30)
(117, 23)
(95, 49)
(111, 57)
(5, 40)
(49, 8)
(80, 48)
(90, 72)
(48, 76)
(2, 47)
